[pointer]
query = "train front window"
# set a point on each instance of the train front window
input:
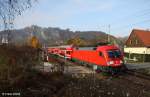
(101, 54)
(114, 54)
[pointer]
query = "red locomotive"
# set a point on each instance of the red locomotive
(102, 58)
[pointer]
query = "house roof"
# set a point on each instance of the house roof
(144, 36)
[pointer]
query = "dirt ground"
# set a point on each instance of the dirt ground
(112, 87)
(58, 85)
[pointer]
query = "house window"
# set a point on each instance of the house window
(130, 41)
(136, 41)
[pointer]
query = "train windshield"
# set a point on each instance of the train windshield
(114, 54)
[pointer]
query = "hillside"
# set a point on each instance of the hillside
(56, 36)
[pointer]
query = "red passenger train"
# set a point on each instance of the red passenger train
(102, 58)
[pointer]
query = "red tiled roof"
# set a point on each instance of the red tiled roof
(144, 36)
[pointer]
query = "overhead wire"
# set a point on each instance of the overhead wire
(134, 16)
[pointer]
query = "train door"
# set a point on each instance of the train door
(68, 54)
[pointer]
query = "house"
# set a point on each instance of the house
(137, 46)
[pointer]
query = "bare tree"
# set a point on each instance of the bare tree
(9, 9)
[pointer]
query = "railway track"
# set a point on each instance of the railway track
(128, 72)
(132, 80)
(138, 74)
(138, 79)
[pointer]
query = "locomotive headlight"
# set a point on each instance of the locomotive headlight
(121, 62)
(110, 62)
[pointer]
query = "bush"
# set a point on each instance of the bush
(16, 61)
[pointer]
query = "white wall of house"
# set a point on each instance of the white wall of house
(137, 50)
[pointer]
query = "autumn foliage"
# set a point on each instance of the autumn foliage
(76, 41)
(34, 42)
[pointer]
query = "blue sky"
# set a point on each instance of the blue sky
(93, 15)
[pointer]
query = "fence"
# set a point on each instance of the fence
(137, 57)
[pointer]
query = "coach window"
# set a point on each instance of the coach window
(101, 54)
(68, 52)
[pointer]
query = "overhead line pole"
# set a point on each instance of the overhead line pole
(108, 33)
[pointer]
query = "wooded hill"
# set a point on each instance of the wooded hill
(57, 36)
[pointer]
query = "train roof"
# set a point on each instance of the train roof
(65, 46)
(86, 48)
(107, 47)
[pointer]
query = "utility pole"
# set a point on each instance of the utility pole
(108, 33)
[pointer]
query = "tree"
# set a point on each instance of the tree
(34, 42)
(76, 41)
(10, 9)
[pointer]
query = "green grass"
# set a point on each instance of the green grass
(3, 60)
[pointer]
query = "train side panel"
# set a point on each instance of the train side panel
(90, 56)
